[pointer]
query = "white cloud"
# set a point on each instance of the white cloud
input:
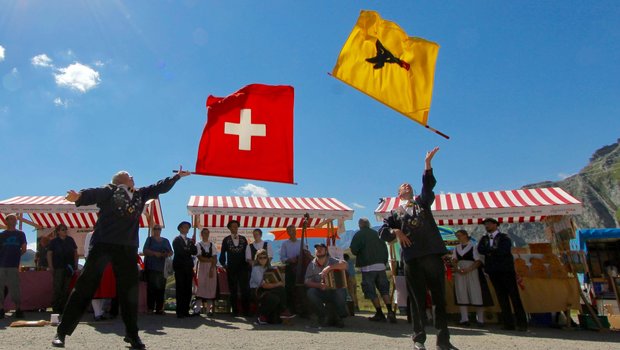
(98, 63)
(251, 190)
(1, 53)
(357, 205)
(61, 103)
(32, 246)
(77, 77)
(41, 60)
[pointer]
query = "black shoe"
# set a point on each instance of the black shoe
(18, 314)
(508, 328)
(522, 329)
(446, 346)
(59, 341)
(418, 346)
(100, 318)
(377, 318)
(391, 316)
(1, 313)
(135, 342)
(464, 323)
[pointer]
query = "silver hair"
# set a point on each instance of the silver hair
(116, 176)
(364, 223)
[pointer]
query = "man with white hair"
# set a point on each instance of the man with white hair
(114, 240)
(12, 247)
(423, 248)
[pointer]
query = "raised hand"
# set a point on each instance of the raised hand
(429, 156)
(183, 173)
(72, 196)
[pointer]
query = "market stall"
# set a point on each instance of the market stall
(601, 261)
(46, 212)
(267, 212)
(547, 290)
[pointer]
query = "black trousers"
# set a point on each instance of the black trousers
(505, 284)
(61, 289)
(271, 303)
(124, 265)
(292, 300)
(422, 273)
(155, 290)
(184, 279)
(239, 280)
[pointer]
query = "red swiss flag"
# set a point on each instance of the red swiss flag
(249, 135)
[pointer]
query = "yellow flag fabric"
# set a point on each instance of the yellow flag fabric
(380, 60)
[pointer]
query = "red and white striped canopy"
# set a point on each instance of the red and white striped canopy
(526, 205)
(271, 212)
(49, 211)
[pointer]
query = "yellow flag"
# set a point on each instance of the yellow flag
(380, 60)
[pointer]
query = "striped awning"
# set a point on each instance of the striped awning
(271, 212)
(525, 205)
(49, 211)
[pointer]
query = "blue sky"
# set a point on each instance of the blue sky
(527, 91)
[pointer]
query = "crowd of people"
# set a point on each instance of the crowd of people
(306, 283)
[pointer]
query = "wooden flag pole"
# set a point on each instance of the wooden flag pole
(383, 103)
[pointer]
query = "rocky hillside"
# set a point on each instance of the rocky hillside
(597, 186)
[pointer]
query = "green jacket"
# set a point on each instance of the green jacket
(368, 248)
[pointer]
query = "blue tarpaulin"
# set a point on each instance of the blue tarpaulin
(583, 235)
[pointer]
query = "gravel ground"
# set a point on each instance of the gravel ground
(168, 332)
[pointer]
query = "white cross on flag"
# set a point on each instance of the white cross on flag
(249, 135)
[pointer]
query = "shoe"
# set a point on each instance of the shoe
(261, 320)
(59, 341)
(135, 342)
(100, 318)
(480, 324)
(464, 323)
(286, 314)
(210, 314)
(377, 318)
(418, 346)
(159, 312)
(508, 328)
(18, 314)
(522, 329)
(1, 313)
(338, 323)
(391, 316)
(446, 346)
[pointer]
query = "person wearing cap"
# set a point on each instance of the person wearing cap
(328, 304)
(233, 259)
(115, 239)
(423, 249)
(156, 250)
(499, 265)
(183, 265)
(12, 247)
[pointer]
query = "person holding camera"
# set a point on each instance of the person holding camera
(206, 272)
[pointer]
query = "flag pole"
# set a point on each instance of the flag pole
(232, 177)
(376, 99)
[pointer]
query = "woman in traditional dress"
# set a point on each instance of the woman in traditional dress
(206, 272)
(470, 286)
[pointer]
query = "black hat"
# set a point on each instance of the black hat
(183, 223)
(320, 245)
(232, 222)
(490, 220)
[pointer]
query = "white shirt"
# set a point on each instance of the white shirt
(127, 190)
(258, 246)
(205, 246)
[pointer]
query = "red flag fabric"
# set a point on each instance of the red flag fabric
(249, 135)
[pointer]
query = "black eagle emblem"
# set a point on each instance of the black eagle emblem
(385, 56)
